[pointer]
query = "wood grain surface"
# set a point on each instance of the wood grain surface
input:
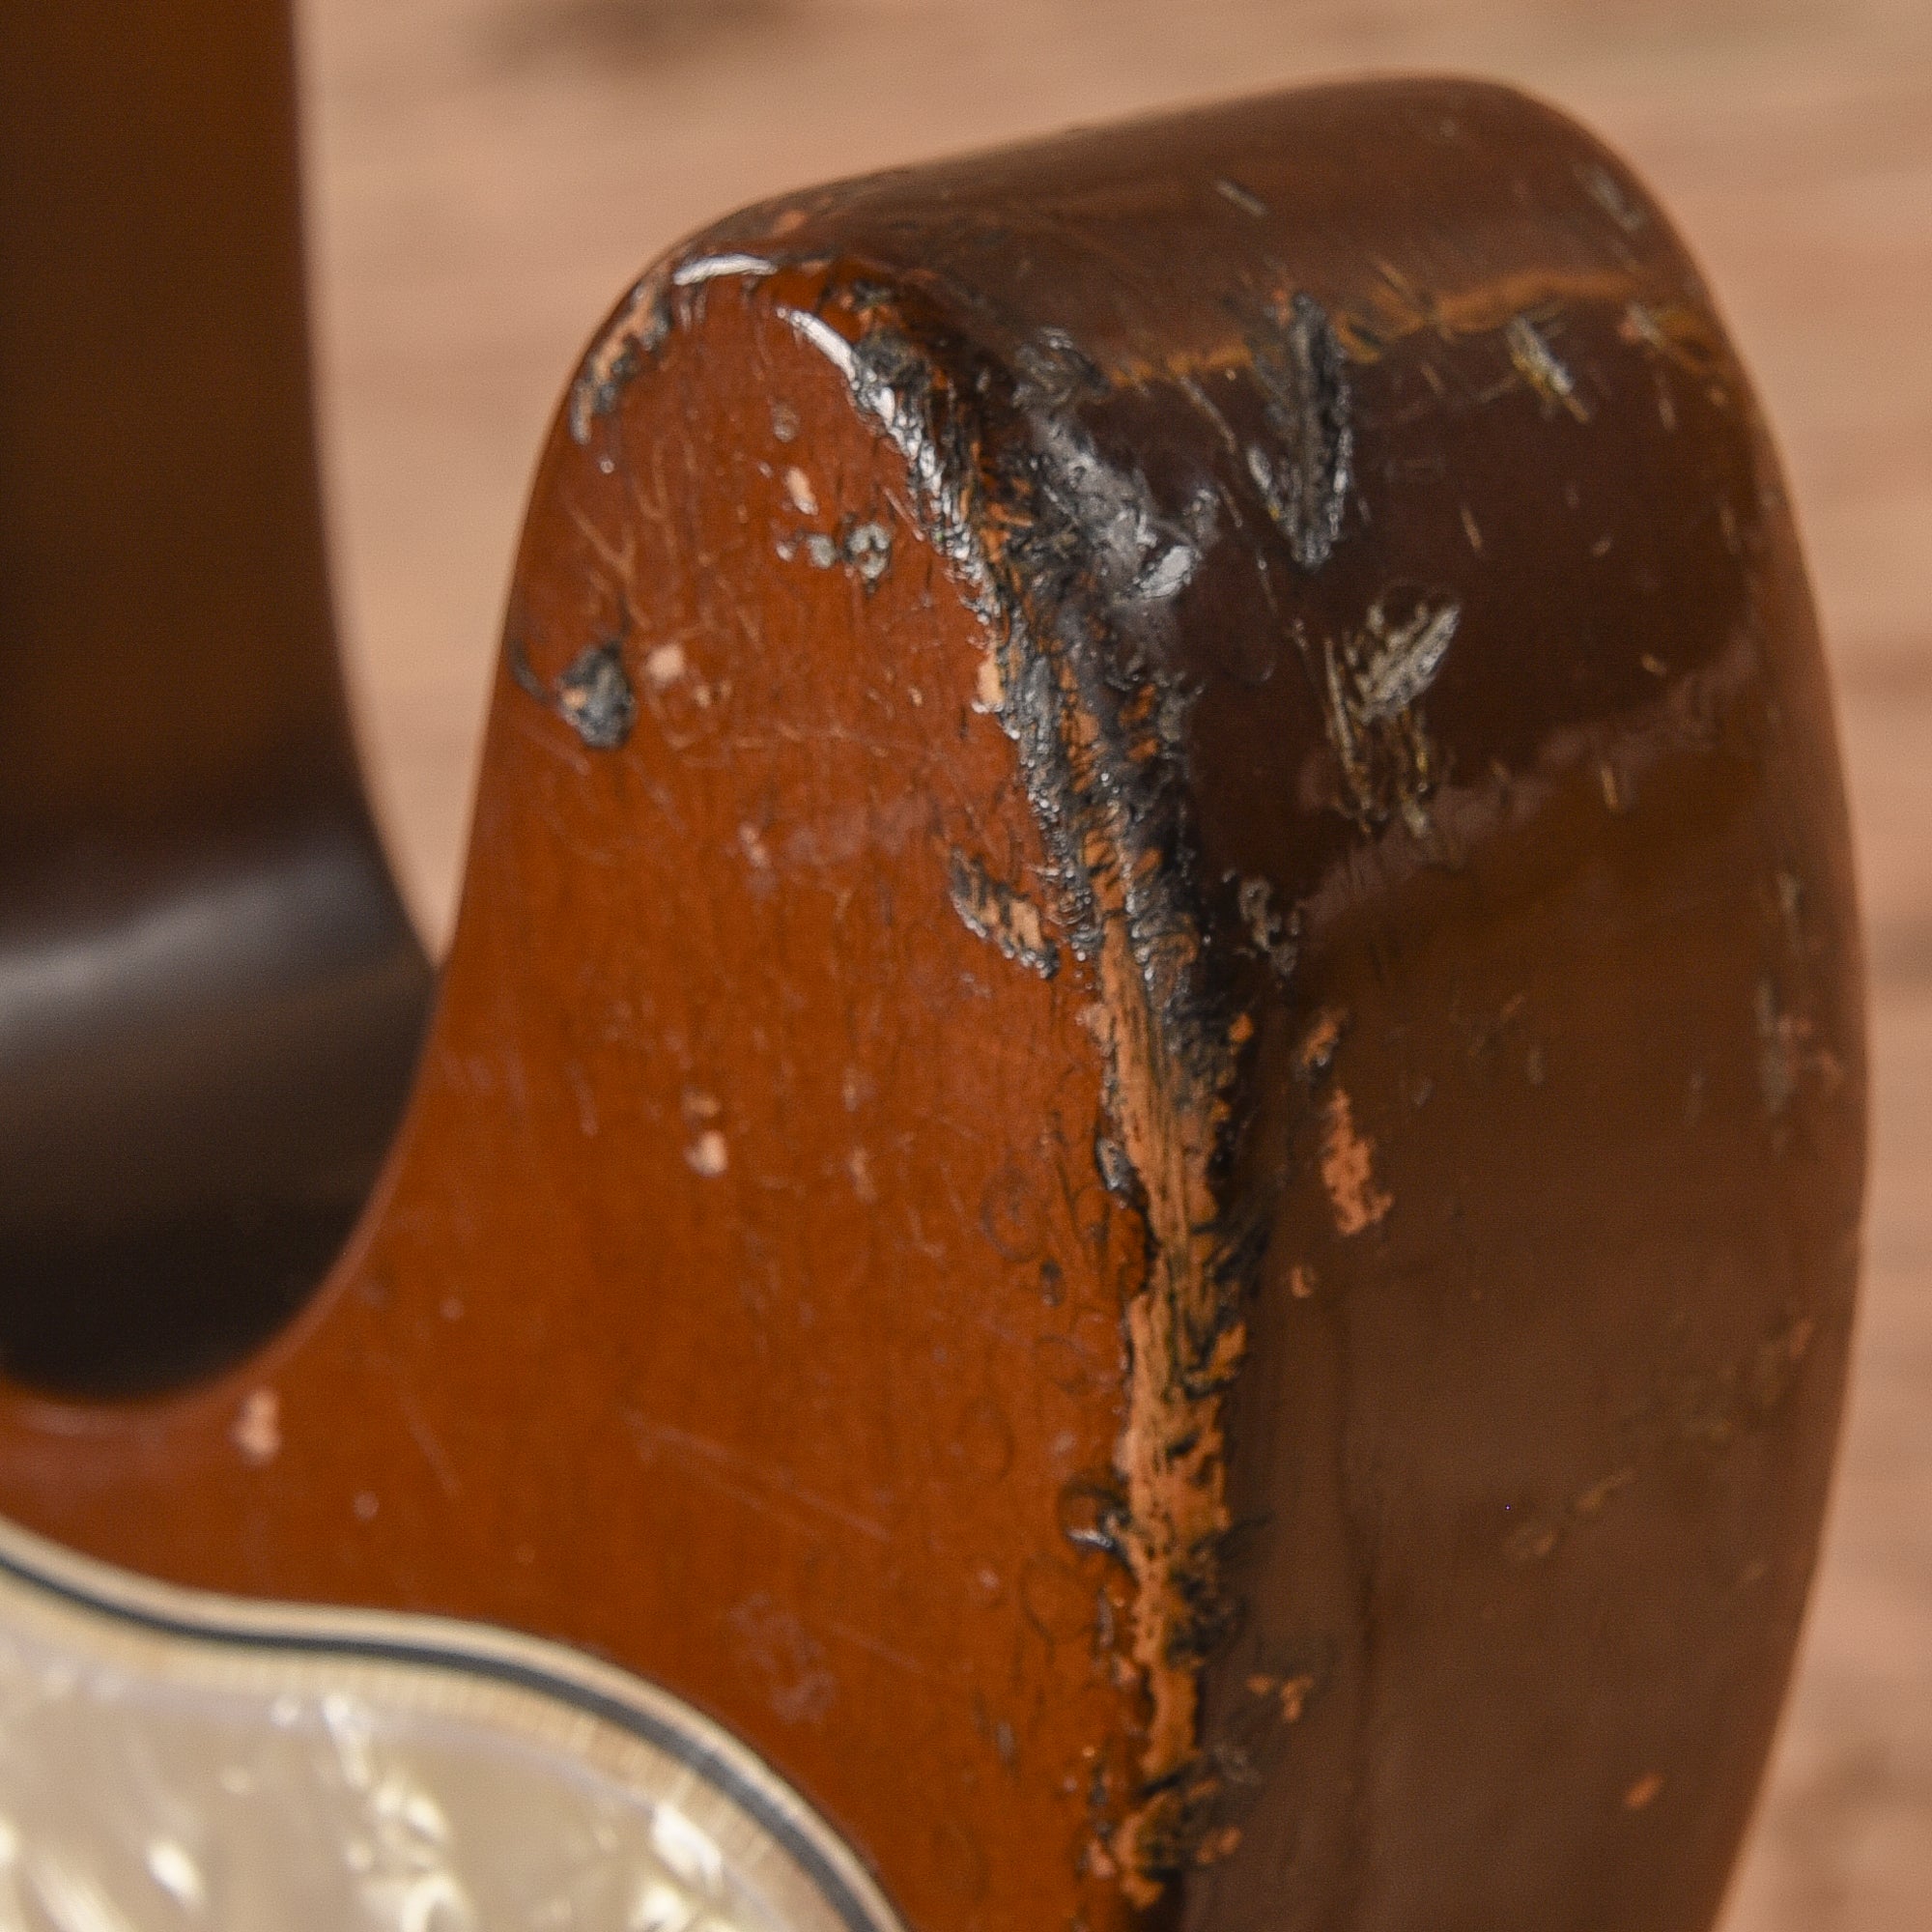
(490, 173)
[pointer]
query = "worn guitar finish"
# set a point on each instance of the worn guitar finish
(1144, 1137)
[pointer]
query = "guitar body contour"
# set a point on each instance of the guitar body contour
(1143, 1142)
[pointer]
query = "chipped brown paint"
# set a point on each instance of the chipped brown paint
(1171, 1069)
(257, 1431)
(1348, 1169)
(1291, 1693)
(1169, 1102)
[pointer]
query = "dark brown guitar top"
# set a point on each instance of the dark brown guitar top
(1143, 1139)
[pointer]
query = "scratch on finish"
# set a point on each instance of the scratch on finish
(1371, 681)
(1536, 362)
(715, 1460)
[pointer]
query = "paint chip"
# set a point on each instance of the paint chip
(258, 1427)
(709, 1154)
(1270, 935)
(798, 486)
(1404, 655)
(868, 550)
(593, 697)
(1372, 679)
(1305, 472)
(1292, 1694)
(665, 665)
(1347, 1170)
(633, 337)
(1316, 1054)
(993, 911)
(858, 1165)
(989, 691)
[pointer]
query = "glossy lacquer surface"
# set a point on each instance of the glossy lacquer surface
(1144, 1138)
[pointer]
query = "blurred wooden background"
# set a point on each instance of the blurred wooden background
(488, 175)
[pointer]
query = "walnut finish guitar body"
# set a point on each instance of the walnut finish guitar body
(1143, 1142)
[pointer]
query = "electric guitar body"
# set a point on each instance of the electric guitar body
(1132, 1197)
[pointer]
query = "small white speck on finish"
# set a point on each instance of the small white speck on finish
(257, 1431)
(858, 1165)
(798, 486)
(709, 1154)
